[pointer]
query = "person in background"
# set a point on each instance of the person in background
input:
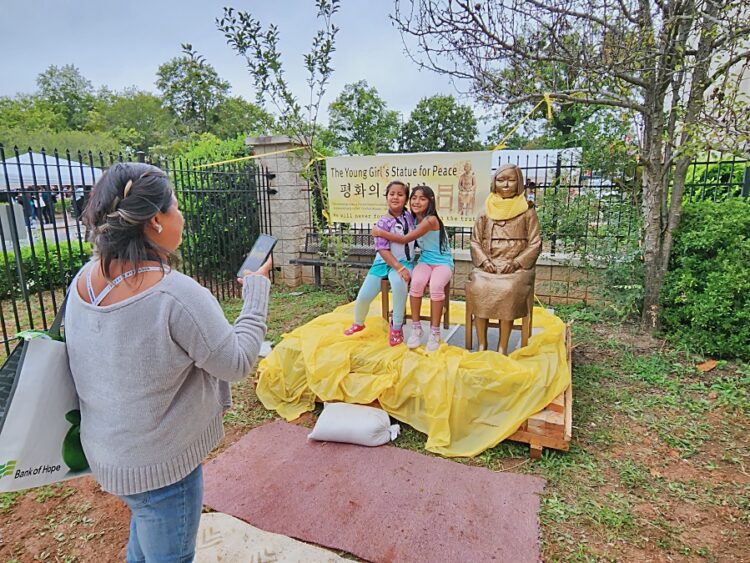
(152, 356)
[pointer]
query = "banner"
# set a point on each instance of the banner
(460, 180)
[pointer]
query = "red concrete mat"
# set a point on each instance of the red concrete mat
(381, 504)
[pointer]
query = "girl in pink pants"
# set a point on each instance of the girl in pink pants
(435, 264)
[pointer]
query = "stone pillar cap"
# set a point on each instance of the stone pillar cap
(276, 140)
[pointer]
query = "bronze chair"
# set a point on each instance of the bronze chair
(525, 326)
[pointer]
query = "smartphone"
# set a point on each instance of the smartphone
(258, 255)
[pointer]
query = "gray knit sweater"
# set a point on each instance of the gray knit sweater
(152, 376)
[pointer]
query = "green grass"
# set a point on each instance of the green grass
(639, 413)
(290, 308)
(655, 441)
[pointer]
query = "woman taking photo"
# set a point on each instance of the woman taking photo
(152, 356)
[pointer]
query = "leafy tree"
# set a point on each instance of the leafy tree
(360, 122)
(673, 65)
(83, 141)
(235, 115)
(207, 148)
(71, 95)
(192, 88)
(135, 118)
(260, 49)
(439, 123)
(31, 113)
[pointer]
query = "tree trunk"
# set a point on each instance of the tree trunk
(652, 247)
(653, 207)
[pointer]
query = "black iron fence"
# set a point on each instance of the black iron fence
(44, 241)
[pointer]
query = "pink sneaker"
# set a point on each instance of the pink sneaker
(396, 337)
(354, 328)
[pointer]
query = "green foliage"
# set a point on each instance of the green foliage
(30, 112)
(42, 271)
(221, 221)
(207, 148)
(706, 296)
(135, 118)
(716, 181)
(335, 246)
(260, 49)
(69, 92)
(360, 121)
(600, 233)
(439, 123)
(235, 116)
(192, 88)
(81, 141)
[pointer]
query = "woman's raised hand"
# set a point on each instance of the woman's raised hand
(264, 270)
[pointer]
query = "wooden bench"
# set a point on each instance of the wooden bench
(358, 250)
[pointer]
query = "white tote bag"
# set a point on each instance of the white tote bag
(39, 417)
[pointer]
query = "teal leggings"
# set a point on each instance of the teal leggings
(369, 291)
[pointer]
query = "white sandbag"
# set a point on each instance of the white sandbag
(354, 424)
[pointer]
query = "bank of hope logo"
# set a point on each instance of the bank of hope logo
(7, 468)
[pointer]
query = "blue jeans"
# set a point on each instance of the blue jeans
(164, 522)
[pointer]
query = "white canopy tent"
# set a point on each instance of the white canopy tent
(31, 169)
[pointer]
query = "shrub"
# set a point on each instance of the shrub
(717, 181)
(220, 206)
(706, 295)
(42, 271)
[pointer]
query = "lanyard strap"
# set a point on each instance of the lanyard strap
(96, 299)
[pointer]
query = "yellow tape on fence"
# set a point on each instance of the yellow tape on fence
(546, 99)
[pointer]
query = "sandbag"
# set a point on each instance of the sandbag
(354, 424)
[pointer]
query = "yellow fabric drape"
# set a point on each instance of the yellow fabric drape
(502, 209)
(464, 401)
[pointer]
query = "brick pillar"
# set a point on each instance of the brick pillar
(290, 206)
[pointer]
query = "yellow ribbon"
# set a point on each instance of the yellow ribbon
(502, 209)
(252, 156)
(546, 99)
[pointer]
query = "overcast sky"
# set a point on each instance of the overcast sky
(122, 43)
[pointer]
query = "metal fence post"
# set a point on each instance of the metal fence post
(746, 182)
(17, 251)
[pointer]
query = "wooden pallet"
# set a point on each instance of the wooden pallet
(551, 427)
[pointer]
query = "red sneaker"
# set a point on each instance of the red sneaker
(396, 337)
(354, 328)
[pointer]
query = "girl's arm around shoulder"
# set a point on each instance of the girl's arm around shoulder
(428, 224)
(199, 327)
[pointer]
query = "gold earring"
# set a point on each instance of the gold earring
(159, 228)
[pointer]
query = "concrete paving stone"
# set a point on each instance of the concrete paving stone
(223, 538)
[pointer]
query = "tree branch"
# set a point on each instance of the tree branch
(726, 66)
